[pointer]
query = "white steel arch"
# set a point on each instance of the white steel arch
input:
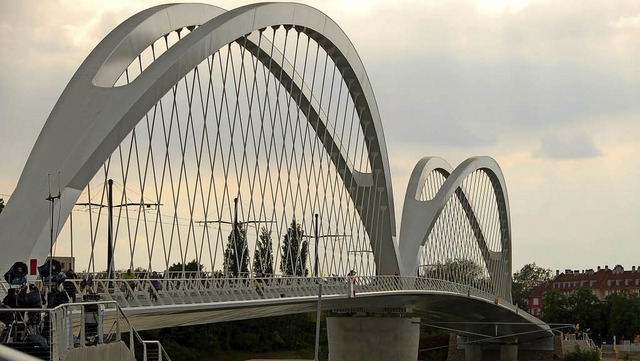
(420, 216)
(92, 116)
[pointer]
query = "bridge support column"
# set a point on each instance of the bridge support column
(509, 353)
(373, 338)
(473, 352)
(476, 352)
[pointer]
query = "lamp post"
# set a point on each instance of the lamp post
(51, 199)
(110, 206)
(315, 274)
(317, 241)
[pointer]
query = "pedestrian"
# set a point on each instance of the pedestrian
(130, 284)
(69, 286)
(259, 280)
(351, 280)
(11, 299)
(155, 286)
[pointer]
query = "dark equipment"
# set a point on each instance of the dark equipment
(17, 274)
(55, 266)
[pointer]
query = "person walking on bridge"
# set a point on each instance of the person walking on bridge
(155, 286)
(129, 284)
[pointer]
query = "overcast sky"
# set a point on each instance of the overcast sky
(550, 89)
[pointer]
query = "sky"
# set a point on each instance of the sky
(550, 89)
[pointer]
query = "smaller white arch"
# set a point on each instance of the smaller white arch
(419, 217)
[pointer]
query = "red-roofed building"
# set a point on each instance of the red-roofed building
(603, 282)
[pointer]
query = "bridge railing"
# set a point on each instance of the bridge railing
(50, 334)
(175, 290)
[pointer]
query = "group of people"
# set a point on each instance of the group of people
(154, 278)
(24, 297)
(61, 290)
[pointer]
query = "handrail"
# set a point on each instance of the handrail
(69, 326)
(146, 292)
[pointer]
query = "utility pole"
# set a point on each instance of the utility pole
(110, 206)
(51, 199)
(110, 228)
(315, 266)
(317, 237)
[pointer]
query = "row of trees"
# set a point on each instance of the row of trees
(293, 257)
(618, 314)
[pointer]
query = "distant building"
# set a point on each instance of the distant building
(603, 282)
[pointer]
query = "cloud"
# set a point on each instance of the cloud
(527, 82)
(577, 146)
(628, 22)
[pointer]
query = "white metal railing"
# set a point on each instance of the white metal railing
(153, 351)
(50, 334)
(100, 302)
(176, 290)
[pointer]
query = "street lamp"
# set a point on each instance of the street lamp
(51, 199)
(317, 240)
(110, 207)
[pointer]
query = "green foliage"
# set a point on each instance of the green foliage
(456, 270)
(294, 252)
(582, 355)
(524, 280)
(263, 256)
(624, 314)
(585, 308)
(236, 255)
(189, 268)
(202, 342)
(555, 307)
(618, 315)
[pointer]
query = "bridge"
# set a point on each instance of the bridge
(240, 154)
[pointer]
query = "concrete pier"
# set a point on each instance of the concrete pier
(373, 338)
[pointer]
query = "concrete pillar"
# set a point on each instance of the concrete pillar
(509, 353)
(473, 352)
(373, 338)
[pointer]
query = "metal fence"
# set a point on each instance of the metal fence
(49, 334)
(175, 289)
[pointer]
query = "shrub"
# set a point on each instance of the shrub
(582, 355)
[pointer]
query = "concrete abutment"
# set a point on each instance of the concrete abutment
(373, 338)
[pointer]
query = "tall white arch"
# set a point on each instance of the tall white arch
(92, 117)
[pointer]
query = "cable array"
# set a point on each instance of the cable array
(238, 126)
(467, 242)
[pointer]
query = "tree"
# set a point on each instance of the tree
(190, 268)
(236, 255)
(624, 313)
(263, 256)
(524, 280)
(294, 252)
(555, 307)
(585, 309)
(456, 270)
